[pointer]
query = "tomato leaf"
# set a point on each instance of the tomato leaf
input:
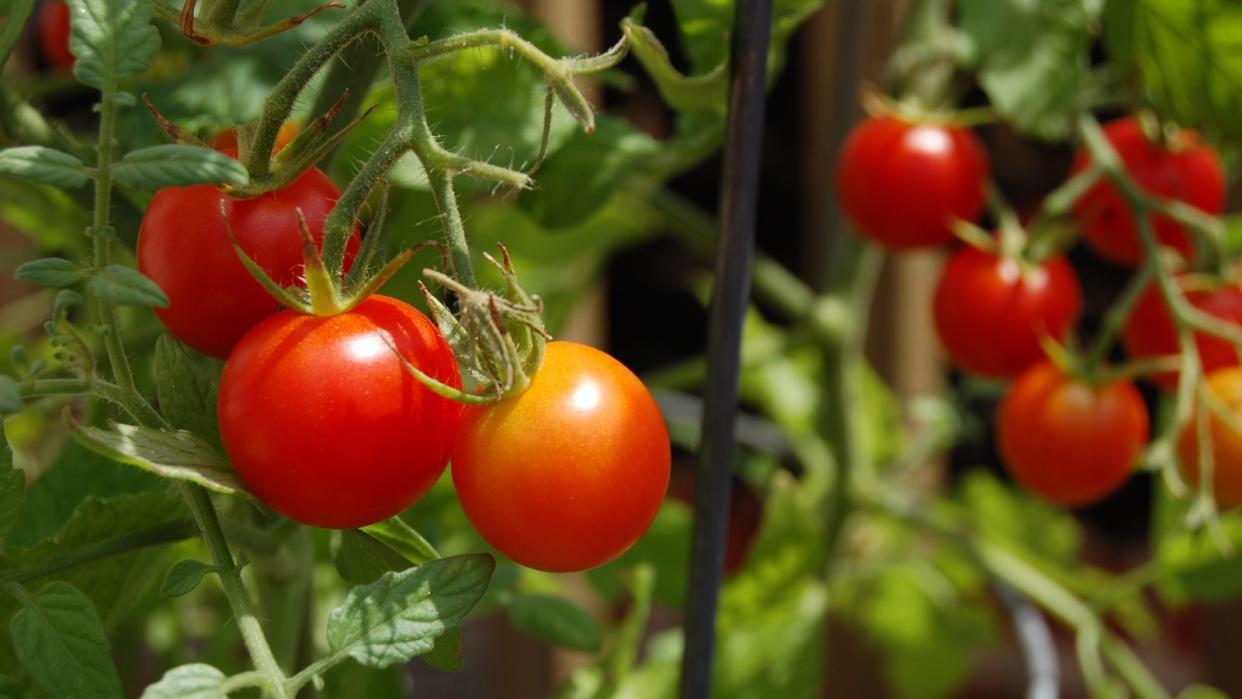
(194, 681)
(447, 654)
(178, 455)
(111, 39)
(177, 165)
(183, 577)
(49, 271)
(186, 390)
(44, 166)
(1184, 55)
(127, 286)
(403, 539)
(400, 615)
(60, 640)
(12, 491)
(556, 621)
(1200, 691)
(10, 396)
(360, 558)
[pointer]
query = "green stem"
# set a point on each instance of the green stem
(1118, 314)
(159, 535)
(235, 591)
(11, 30)
(454, 229)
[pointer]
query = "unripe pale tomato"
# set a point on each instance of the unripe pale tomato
(1066, 440)
(1188, 171)
(322, 420)
(53, 23)
(902, 184)
(1226, 385)
(1150, 332)
(991, 311)
(569, 473)
(184, 246)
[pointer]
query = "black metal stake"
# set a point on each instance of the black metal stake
(739, 194)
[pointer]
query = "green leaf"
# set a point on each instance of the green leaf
(1199, 691)
(447, 655)
(10, 396)
(60, 640)
(178, 455)
(177, 165)
(186, 389)
(127, 286)
(44, 166)
(183, 577)
(684, 93)
(403, 539)
(12, 492)
(195, 681)
(399, 616)
(1185, 55)
(111, 39)
(1035, 526)
(49, 271)
(1035, 78)
(11, 688)
(360, 558)
(556, 621)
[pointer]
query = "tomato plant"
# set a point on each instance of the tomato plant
(1225, 385)
(1183, 169)
(1150, 331)
(991, 311)
(184, 246)
(904, 183)
(1069, 441)
(569, 473)
(54, 34)
(323, 423)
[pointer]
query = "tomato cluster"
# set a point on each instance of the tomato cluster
(325, 423)
(1064, 432)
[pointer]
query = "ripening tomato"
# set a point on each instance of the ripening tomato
(1069, 441)
(1150, 332)
(991, 311)
(1226, 385)
(903, 184)
(226, 140)
(569, 473)
(324, 423)
(53, 23)
(1187, 171)
(184, 246)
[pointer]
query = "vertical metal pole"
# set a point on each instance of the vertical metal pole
(739, 194)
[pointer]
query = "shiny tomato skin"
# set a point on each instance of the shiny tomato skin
(53, 24)
(902, 184)
(1150, 332)
(326, 426)
(183, 245)
(1192, 173)
(1068, 441)
(990, 312)
(1226, 385)
(569, 473)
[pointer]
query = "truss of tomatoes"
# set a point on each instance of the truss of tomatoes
(903, 183)
(325, 424)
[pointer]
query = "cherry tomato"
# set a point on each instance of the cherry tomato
(226, 140)
(53, 24)
(1226, 385)
(184, 246)
(1150, 332)
(1066, 440)
(323, 422)
(991, 311)
(903, 184)
(569, 473)
(1189, 172)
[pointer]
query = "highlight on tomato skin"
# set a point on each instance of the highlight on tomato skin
(991, 312)
(323, 422)
(903, 184)
(1226, 386)
(1150, 332)
(1066, 440)
(1188, 171)
(569, 473)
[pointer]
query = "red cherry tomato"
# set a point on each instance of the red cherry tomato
(226, 140)
(1191, 173)
(903, 184)
(1226, 385)
(184, 246)
(1066, 440)
(1150, 332)
(324, 423)
(53, 23)
(569, 473)
(991, 311)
